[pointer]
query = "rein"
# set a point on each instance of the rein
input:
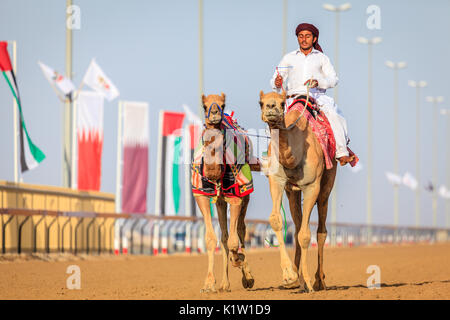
(292, 125)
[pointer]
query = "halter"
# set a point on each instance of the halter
(210, 107)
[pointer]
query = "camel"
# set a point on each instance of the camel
(296, 165)
(213, 170)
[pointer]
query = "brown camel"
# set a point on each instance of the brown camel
(296, 164)
(213, 170)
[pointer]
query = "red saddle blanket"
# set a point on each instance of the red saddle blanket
(322, 129)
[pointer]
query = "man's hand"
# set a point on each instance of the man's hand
(313, 83)
(278, 81)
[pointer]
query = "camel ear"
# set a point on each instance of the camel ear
(223, 96)
(203, 99)
(261, 94)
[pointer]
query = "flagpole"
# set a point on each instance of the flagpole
(158, 166)
(16, 163)
(67, 157)
(200, 57)
(119, 159)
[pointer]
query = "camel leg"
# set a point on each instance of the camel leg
(211, 241)
(233, 240)
(247, 279)
(222, 214)
(295, 198)
(327, 183)
(304, 236)
(290, 277)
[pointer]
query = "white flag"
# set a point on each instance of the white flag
(192, 117)
(444, 193)
(393, 178)
(97, 80)
(410, 181)
(62, 83)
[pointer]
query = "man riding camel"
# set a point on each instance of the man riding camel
(308, 65)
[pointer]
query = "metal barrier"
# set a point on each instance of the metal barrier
(96, 233)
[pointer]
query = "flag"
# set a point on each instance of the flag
(410, 181)
(64, 84)
(192, 133)
(169, 160)
(135, 157)
(393, 178)
(97, 80)
(90, 139)
(30, 154)
(443, 192)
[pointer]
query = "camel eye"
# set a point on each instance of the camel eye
(261, 104)
(283, 104)
(223, 106)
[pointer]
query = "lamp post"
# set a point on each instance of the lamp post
(418, 85)
(446, 112)
(370, 43)
(435, 101)
(396, 66)
(336, 10)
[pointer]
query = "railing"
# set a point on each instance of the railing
(98, 233)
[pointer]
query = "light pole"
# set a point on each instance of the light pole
(396, 66)
(200, 57)
(435, 101)
(370, 43)
(418, 85)
(446, 112)
(336, 10)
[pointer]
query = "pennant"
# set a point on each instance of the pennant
(169, 192)
(393, 178)
(97, 80)
(90, 139)
(410, 181)
(135, 157)
(30, 154)
(57, 80)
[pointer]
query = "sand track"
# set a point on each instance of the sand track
(407, 272)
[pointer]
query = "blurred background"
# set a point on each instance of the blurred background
(151, 52)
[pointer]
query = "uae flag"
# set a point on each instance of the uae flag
(135, 157)
(90, 139)
(192, 134)
(30, 154)
(168, 193)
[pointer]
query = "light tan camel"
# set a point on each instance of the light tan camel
(296, 164)
(238, 206)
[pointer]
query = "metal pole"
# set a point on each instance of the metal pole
(285, 6)
(418, 155)
(200, 57)
(396, 145)
(369, 152)
(334, 191)
(448, 167)
(435, 155)
(68, 105)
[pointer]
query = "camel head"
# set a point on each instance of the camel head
(213, 106)
(272, 107)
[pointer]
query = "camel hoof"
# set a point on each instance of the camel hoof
(319, 285)
(247, 283)
(291, 285)
(208, 290)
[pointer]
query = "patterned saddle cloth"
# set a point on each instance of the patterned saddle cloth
(236, 180)
(321, 128)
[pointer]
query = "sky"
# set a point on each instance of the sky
(149, 49)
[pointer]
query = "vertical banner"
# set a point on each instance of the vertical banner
(168, 192)
(90, 139)
(192, 134)
(135, 157)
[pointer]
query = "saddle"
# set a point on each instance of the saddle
(321, 127)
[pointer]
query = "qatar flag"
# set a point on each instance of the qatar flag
(135, 157)
(90, 139)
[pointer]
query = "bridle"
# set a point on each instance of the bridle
(210, 107)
